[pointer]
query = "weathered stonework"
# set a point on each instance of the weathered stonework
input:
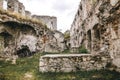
(16, 39)
(60, 40)
(96, 25)
(24, 36)
(53, 42)
(28, 14)
(20, 36)
(67, 38)
(21, 9)
(3, 4)
(51, 22)
(13, 5)
(18, 8)
(29, 34)
(72, 62)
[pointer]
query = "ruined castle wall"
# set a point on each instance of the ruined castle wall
(88, 22)
(72, 62)
(51, 22)
(13, 5)
(21, 9)
(25, 36)
(53, 42)
(3, 4)
(28, 14)
(14, 38)
(99, 23)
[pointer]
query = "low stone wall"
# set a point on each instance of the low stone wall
(72, 62)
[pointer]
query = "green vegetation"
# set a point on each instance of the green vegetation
(27, 69)
(67, 35)
(94, 2)
(66, 51)
(44, 53)
(82, 49)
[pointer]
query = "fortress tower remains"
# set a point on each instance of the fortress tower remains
(17, 7)
(13, 6)
(51, 22)
(21, 8)
(3, 4)
(28, 14)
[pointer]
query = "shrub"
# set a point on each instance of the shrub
(67, 35)
(82, 49)
(66, 51)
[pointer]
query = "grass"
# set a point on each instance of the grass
(27, 69)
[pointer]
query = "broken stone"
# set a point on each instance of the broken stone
(116, 62)
(113, 2)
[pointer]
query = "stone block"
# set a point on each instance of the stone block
(116, 62)
(43, 69)
(68, 63)
(68, 70)
(13, 5)
(114, 2)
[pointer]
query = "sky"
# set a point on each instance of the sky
(64, 10)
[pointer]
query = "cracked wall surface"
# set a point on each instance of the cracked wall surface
(96, 25)
(24, 37)
(72, 62)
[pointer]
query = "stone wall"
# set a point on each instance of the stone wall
(3, 4)
(19, 36)
(28, 14)
(67, 38)
(15, 37)
(96, 26)
(16, 7)
(53, 42)
(72, 62)
(51, 22)
(60, 40)
(24, 37)
(13, 6)
(21, 9)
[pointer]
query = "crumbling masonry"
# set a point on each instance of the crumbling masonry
(97, 27)
(21, 35)
(15, 6)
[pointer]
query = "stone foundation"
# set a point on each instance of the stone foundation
(72, 62)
